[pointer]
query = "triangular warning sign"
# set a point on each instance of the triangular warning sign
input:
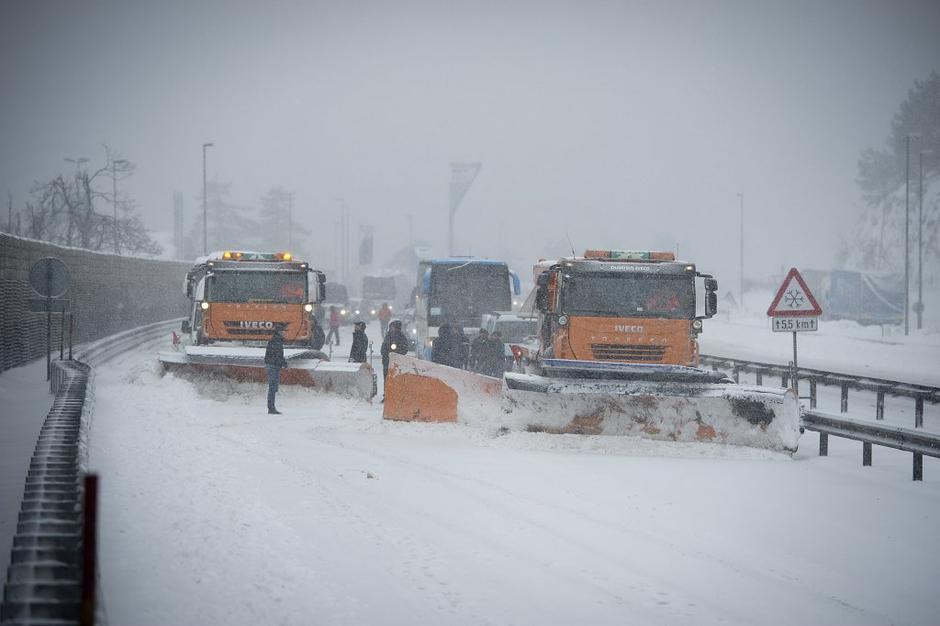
(794, 298)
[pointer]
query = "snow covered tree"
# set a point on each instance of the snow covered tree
(278, 228)
(65, 210)
(877, 239)
(230, 226)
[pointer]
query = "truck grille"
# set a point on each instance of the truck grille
(627, 352)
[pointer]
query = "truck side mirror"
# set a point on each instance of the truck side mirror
(711, 297)
(185, 327)
(541, 293)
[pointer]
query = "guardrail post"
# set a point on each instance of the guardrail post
(918, 466)
(845, 398)
(823, 444)
(812, 393)
(89, 550)
(760, 377)
(919, 412)
(736, 374)
(866, 454)
(880, 406)
(785, 380)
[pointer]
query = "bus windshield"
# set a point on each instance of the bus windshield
(630, 295)
(463, 293)
(275, 287)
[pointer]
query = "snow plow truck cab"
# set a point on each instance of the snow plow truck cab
(237, 300)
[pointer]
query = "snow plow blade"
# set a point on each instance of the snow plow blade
(307, 368)
(422, 391)
(657, 402)
(661, 402)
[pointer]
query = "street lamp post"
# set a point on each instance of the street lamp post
(919, 306)
(290, 222)
(78, 168)
(741, 254)
(114, 202)
(205, 213)
(907, 235)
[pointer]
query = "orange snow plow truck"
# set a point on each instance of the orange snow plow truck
(617, 354)
(237, 299)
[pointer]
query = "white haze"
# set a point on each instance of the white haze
(631, 124)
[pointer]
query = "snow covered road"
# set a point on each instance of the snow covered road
(214, 512)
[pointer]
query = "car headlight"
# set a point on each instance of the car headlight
(372, 311)
(414, 331)
(308, 307)
(342, 312)
(357, 311)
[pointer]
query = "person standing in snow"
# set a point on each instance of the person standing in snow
(478, 351)
(384, 315)
(360, 343)
(334, 326)
(495, 355)
(317, 338)
(273, 362)
(395, 341)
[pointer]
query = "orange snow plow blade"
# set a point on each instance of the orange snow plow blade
(421, 391)
(758, 417)
(247, 365)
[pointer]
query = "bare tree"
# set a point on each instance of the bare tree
(65, 210)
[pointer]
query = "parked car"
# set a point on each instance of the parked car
(514, 329)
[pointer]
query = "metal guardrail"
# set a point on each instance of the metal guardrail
(44, 582)
(880, 386)
(917, 442)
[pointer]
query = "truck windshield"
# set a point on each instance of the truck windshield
(378, 288)
(630, 295)
(463, 293)
(516, 330)
(336, 293)
(276, 287)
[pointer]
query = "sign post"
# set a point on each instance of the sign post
(49, 278)
(794, 309)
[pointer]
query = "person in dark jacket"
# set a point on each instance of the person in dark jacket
(446, 348)
(317, 337)
(395, 341)
(495, 355)
(360, 343)
(462, 354)
(478, 351)
(273, 362)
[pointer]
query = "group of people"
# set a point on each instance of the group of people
(394, 340)
(484, 355)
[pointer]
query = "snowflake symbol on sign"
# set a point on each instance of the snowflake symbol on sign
(793, 299)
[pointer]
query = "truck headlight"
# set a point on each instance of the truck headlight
(203, 305)
(562, 320)
(697, 324)
(372, 311)
(342, 312)
(308, 307)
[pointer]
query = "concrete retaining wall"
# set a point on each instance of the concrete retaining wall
(108, 293)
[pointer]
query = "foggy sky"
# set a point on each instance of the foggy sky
(622, 124)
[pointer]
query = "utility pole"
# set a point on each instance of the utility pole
(462, 176)
(205, 212)
(919, 306)
(290, 222)
(741, 255)
(114, 197)
(907, 235)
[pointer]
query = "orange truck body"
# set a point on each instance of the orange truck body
(623, 307)
(242, 296)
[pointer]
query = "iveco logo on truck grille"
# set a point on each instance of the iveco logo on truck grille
(259, 325)
(623, 328)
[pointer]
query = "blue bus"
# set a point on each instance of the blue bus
(459, 290)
